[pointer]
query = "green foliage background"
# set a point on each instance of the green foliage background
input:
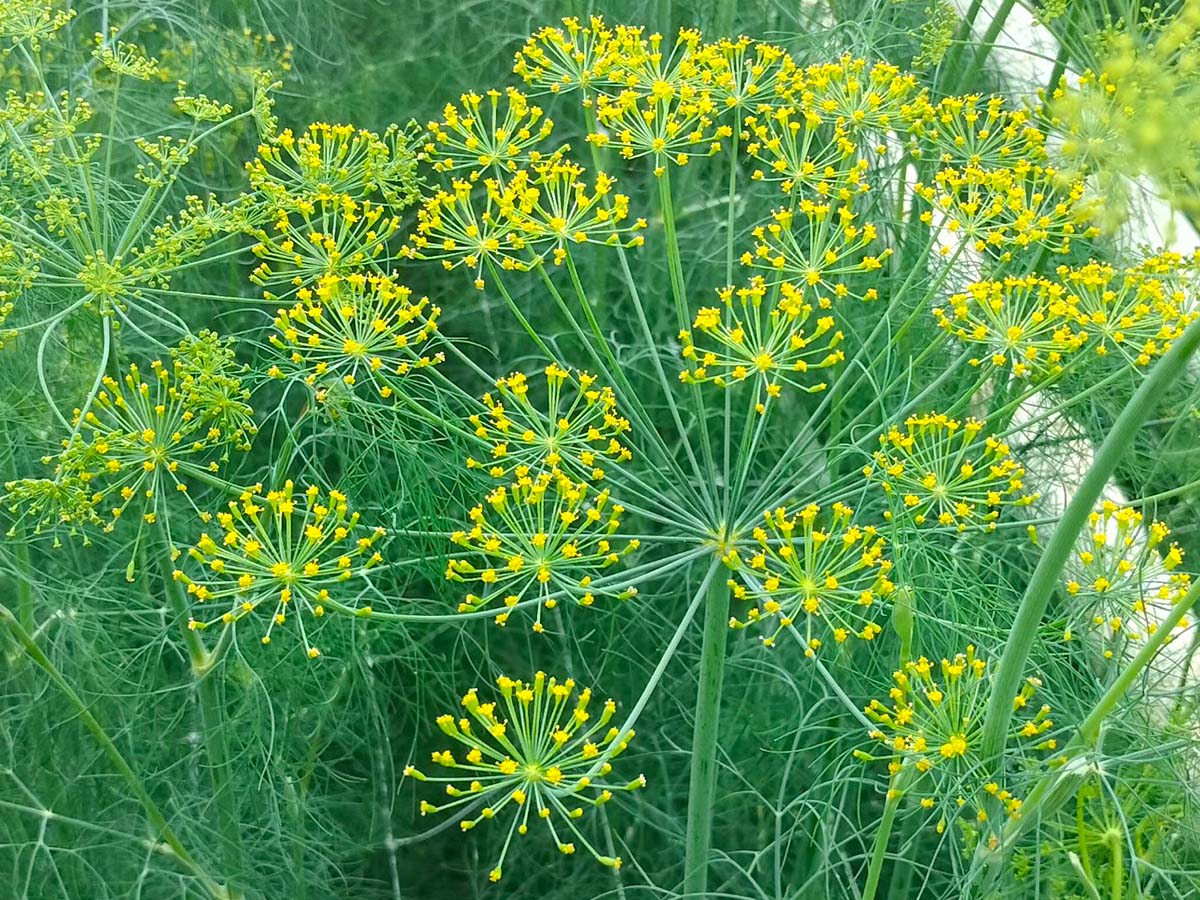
(318, 749)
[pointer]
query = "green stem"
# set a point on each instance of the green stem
(730, 234)
(1049, 569)
(988, 41)
(679, 293)
(702, 787)
(882, 837)
(211, 704)
(516, 311)
(153, 813)
(1117, 866)
(1058, 786)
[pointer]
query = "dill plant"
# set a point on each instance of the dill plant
(698, 369)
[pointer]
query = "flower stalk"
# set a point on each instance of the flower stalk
(703, 782)
(1047, 575)
(210, 702)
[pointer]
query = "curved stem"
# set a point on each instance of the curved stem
(1046, 576)
(703, 783)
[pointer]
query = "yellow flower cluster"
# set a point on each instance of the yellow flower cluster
(499, 134)
(655, 103)
(31, 21)
(773, 335)
(326, 202)
(354, 329)
(1000, 210)
(945, 472)
(823, 122)
(516, 222)
(1024, 323)
(539, 753)
(282, 552)
(565, 59)
(834, 248)
(1131, 117)
(1120, 575)
(666, 103)
(934, 726)
(825, 568)
(553, 207)
(19, 268)
(540, 538)
(1030, 324)
(578, 432)
(336, 160)
(148, 433)
(973, 130)
(1135, 313)
(328, 235)
(796, 153)
(744, 72)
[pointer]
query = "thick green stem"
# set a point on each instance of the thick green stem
(702, 787)
(1117, 866)
(882, 837)
(155, 815)
(1049, 569)
(211, 704)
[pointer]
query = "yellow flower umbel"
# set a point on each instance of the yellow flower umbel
(552, 209)
(326, 202)
(561, 60)
(354, 330)
(834, 248)
(943, 472)
(861, 100)
(494, 134)
(833, 576)
(31, 21)
(801, 155)
(934, 727)
(974, 130)
(1026, 324)
(770, 335)
(817, 132)
(339, 161)
(19, 270)
(744, 73)
(538, 754)
(1133, 314)
(579, 432)
(279, 556)
(147, 433)
(1001, 210)
(332, 236)
(541, 538)
(658, 104)
(1133, 117)
(1122, 578)
(470, 226)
